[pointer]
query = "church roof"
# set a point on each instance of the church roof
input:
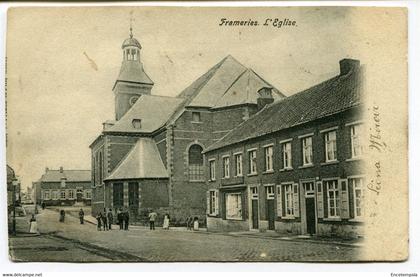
(152, 110)
(131, 42)
(69, 175)
(143, 161)
(133, 72)
(228, 83)
(329, 97)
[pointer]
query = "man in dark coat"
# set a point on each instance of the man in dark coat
(120, 218)
(105, 221)
(110, 219)
(126, 220)
(81, 216)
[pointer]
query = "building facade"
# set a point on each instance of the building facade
(65, 187)
(150, 156)
(295, 167)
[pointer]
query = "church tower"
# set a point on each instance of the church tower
(132, 82)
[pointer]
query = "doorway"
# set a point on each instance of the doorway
(269, 192)
(79, 195)
(310, 207)
(254, 207)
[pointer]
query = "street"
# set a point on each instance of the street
(73, 242)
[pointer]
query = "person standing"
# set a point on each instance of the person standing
(166, 222)
(105, 221)
(81, 216)
(195, 224)
(110, 219)
(99, 221)
(120, 219)
(62, 215)
(126, 220)
(152, 219)
(33, 228)
(43, 205)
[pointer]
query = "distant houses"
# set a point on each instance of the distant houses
(64, 187)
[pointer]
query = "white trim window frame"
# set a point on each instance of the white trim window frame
(288, 200)
(330, 146)
(234, 206)
(88, 194)
(358, 197)
(252, 161)
(307, 156)
(269, 191)
(356, 141)
(213, 202)
(333, 198)
(268, 154)
(54, 195)
(62, 194)
(47, 194)
(71, 194)
(226, 166)
(212, 167)
(287, 154)
(238, 164)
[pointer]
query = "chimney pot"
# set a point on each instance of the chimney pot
(61, 169)
(347, 65)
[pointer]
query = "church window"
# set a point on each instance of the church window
(136, 123)
(195, 163)
(196, 117)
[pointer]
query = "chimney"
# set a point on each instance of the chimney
(61, 169)
(108, 124)
(348, 65)
(265, 97)
(46, 169)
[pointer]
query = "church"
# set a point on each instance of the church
(150, 156)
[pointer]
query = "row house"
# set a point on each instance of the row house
(296, 166)
(65, 187)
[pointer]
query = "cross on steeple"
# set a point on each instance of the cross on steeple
(131, 24)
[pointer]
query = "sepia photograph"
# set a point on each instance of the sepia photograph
(207, 134)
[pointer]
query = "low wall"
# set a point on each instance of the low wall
(215, 224)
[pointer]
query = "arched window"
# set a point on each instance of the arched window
(195, 163)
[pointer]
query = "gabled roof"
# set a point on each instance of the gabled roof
(153, 111)
(133, 72)
(332, 96)
(69, 175)
(143, 161)
(228, 83)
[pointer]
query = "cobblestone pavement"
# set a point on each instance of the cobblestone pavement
(169, 245)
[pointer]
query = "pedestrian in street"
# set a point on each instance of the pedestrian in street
(82, 216)
(152, 219)
(105, 221)
(120, 218)
(43, 205)
(33, 228)
(126, 219)
(196, 224)
(166, 222)
(62, 215)
(110, 219)
(189, 222)
(99, 221)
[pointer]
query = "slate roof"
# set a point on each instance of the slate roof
(153, 111)
(227, 83)
(133, 72)
(329, 97)
(143, 161)
(70, 175)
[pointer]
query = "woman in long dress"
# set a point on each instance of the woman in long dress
(33, 228)
(166, 222)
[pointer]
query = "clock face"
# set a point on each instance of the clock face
(133, 100)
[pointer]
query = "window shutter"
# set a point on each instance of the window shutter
(279, 202)
(319, 199)
(296, 208)
(216, 202)
(208, 201)
(344, 198)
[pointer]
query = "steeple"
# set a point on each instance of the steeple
(132, 82)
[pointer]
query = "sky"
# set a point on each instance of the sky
(63, 62)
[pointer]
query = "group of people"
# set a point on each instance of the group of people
(192, 223)
(105, 220)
